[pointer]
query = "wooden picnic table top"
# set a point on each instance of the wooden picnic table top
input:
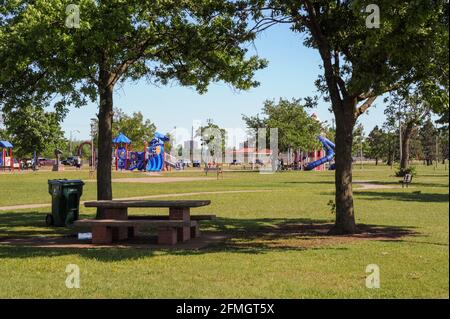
(147, 203)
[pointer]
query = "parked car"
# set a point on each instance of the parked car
(45, 161)
(72, 161)
(26, 163)
(185, 162)
(68, 161)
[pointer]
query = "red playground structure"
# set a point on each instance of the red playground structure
(122, 149)
(5, 160)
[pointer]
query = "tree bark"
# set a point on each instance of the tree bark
(105, 116)
(345, 215)
(404, 161)
(389, 159)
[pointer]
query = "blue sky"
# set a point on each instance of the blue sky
(291, 73)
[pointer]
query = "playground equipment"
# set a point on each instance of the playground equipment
(5, 160)
(329, 154)
(137, 161)
(122, 143)
(156, 157)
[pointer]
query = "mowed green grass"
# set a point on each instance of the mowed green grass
(268, 254)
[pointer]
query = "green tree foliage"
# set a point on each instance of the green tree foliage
(3, 135)
(409, 109)
(179, 150)
(377, 146)
(214, 138)
(444, 143)
(428, 134)
(168, 145)
(33, 129)
(189, 42)
(296, 128)
(134, 127)
(359, 141)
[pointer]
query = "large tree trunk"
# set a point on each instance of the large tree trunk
(345, 122)
(105, 115)
(406, 138)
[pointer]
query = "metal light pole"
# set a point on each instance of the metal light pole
(92, 169)
(361, 149)
(437, 148)
(70, 140)
(191, 147)
(400, 132)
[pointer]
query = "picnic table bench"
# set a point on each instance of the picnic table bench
(407, 179)
(216, 168)
(113, 223)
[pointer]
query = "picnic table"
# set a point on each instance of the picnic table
(216, 168)
(407, 179)
(114, 223)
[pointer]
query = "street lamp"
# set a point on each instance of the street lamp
(93, 123)
(70, 140)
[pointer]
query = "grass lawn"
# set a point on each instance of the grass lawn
(270, 252)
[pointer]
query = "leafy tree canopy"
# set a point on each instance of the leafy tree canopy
(296, 128)
(410, 46)
(192, 42)
(213, 137)
(377, 144)
(134, 127)
(31, 129)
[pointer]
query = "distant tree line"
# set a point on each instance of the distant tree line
(426, 143)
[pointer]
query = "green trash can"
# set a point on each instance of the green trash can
(65, 201)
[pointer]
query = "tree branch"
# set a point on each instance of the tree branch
(368, 103)
(324, 50)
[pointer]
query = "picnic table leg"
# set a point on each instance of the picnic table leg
(101, 235)
(118, 233)
(167, 236)
(195, 230)
(176, 213)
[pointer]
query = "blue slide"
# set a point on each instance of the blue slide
(155, 153)
(329, 154)
(137, 161)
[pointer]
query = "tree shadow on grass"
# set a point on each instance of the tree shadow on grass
(402, 196)
(247, 236)
(268, 234)
(315, 182)
(413, 196)
(414, 184)
(30, 223)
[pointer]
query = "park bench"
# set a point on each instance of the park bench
(216, 168)
(113, 222)
(407, 179)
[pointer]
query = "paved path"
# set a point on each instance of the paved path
(370, 185)
(29, 206)
(155, 179)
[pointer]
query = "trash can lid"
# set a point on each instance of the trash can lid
(65, 182)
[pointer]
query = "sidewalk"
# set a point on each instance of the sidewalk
(30, 206)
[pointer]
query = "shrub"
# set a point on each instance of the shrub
(403, 171)
(332, 206)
